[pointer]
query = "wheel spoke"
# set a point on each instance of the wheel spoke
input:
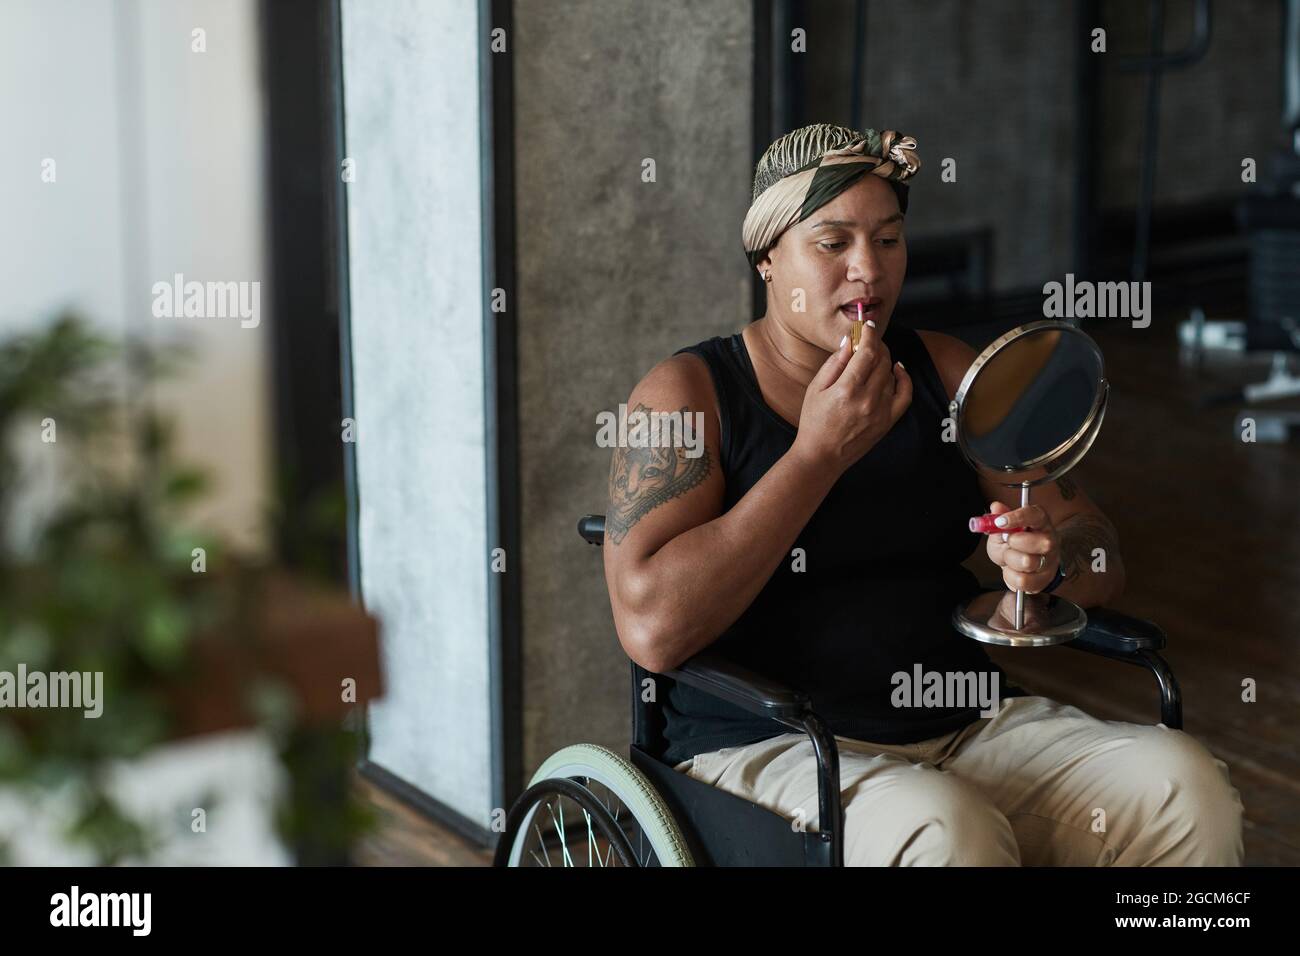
(591, 837)
(541, 841)
(564, 843)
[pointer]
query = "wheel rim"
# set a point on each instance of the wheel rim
(578, 821)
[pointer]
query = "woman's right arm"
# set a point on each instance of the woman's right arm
(680, 571)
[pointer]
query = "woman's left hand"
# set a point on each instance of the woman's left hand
(1021, 555)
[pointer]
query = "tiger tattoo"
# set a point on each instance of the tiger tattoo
(643, 478)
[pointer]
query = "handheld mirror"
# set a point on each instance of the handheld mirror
(1027, 411)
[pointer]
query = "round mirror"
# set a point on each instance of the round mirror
(1027, 411)
(1031, 404)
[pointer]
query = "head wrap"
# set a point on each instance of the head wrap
(807, 168)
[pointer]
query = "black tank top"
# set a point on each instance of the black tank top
(882, 571)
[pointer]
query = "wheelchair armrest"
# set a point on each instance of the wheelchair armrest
(592, 529)
(1114, 634)
(716, 675)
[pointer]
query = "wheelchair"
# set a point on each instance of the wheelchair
(639, 811)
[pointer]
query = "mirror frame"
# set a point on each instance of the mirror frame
(1065, 455)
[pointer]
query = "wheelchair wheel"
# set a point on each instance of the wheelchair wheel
(588, 806)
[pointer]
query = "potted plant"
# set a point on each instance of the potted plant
(212, 687)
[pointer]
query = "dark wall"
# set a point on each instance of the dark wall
(987, 83)
(992, 84)
(614, 275)
(1213, 114)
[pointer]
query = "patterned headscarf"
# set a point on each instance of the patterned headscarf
(807, 168)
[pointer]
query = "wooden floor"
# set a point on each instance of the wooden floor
(405, 837)
(1210, 534)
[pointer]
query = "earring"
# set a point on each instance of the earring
(767, 276)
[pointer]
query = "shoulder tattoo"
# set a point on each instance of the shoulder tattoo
(643, 478)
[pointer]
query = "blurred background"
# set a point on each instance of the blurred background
(439, 208)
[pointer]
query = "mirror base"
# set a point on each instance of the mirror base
(990, 617)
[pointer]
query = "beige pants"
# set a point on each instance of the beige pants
(1039, 784)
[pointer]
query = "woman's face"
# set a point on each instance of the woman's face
(849, 249)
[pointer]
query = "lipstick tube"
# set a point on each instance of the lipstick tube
(984, 525)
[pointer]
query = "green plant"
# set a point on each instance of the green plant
(104, 582)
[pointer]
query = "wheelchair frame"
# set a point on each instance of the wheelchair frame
(723, 829)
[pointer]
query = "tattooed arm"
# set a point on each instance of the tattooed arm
(1087, 543)
(679, 570)
(1090, 556)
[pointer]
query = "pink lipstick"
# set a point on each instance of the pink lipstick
(984, 525)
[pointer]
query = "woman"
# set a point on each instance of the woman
(818, 540)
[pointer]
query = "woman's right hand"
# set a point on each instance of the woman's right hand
(852, 403)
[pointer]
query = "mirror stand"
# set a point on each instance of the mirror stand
(1020, 595)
